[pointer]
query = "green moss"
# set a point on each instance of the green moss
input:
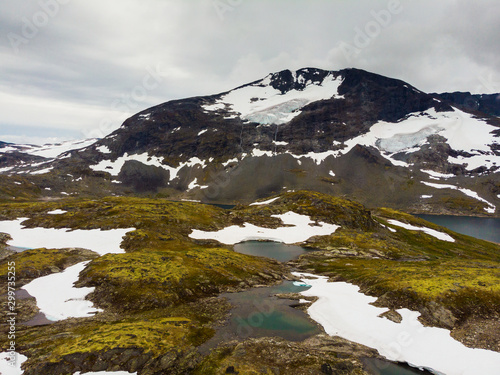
(147, 279)
(464, 246)
(318, 206)
(463, 204)
(155, 336)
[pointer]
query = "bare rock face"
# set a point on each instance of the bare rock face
(4, 252)
(437, 315)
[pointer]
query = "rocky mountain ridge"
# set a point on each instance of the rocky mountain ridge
(348, 132)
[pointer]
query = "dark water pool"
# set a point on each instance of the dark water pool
(485, 228)
(380, 367)
(275, 250)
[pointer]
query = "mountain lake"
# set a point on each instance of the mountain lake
(485, 228)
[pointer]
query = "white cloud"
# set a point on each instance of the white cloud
(91, 54)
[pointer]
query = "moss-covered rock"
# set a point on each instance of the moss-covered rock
(318, 355)
(147, 280)
(319, 206)
(34, 263)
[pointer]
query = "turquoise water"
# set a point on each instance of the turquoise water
(485, 228)
(275, 250)
(258, 313)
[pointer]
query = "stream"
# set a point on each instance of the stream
(257, 312)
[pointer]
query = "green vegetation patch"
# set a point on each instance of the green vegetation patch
(464, 247)
(318, 206)
(145, 280)
(156, 336)
(114, 212)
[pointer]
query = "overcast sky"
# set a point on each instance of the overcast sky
(79, 68)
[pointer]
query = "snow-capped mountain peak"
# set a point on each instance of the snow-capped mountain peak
(349, 132)
(278, 98)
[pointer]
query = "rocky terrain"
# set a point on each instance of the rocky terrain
(159, 298)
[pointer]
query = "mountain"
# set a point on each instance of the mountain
(485, 103)
(350, 132)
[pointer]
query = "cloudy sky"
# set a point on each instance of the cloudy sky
(78, 68)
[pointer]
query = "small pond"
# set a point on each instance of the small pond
(275, 250)
(258, 313)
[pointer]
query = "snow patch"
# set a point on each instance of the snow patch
(437, 174)
(58, 299)
(100, 241)
(390, 229)
(43, 171)
(491, 207)
(280, 143)
(103, 149)
(299, 229)
(194, 184)
(317, 157)
(264, 202)
(6, 169)
(114, 167)
(8, 367)
(256, 152)
(226, 163)
(261, 103)
(56, 212)
(434, 233)
(54, 150)
(461, 130)
(201, 132)
(343, 311)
